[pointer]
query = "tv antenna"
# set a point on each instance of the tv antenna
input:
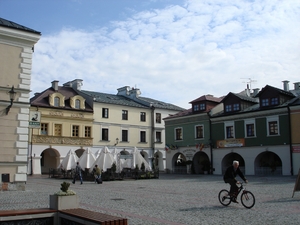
(249, 82)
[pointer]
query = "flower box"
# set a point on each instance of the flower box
(59, 202)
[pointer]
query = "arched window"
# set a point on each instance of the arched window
(56, 101)
(77, 104)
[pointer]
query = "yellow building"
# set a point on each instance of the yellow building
(66, 122)
(16, 49)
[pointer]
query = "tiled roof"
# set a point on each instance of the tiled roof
(207, 98)
(112, 99)
(161, 105)
(42, 99)
(10, 24)
(181, 114)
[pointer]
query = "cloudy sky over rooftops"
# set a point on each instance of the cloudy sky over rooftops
(173, 51)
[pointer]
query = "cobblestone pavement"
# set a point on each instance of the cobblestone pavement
(171, 199)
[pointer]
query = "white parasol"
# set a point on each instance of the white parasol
(69, 162)
(104, 161)
(138, 159)
(87, 159)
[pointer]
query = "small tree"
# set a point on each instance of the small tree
(114, 167)
(143, 167)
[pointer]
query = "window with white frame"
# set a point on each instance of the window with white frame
(273, 125)
(250, 128)
(178, 134)
(142, 136)
(104, 134)
(125, 135)
(199, 129)
(229, 130)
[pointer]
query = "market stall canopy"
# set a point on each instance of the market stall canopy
(104, 161)
(138, 159)
(87, 159)
(69, 162)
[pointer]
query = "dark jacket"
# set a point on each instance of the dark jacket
(231, 174)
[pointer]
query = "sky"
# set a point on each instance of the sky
(172, 50)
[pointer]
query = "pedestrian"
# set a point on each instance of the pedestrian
(97, 174)
(229, 177)
(77, 173)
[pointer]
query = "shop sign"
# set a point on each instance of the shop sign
(229, 143)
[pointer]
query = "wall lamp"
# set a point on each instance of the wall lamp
(12, 95)
(117, 141)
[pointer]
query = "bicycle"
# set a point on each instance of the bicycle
(247, 198)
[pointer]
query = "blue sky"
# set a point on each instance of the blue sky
(172, 50)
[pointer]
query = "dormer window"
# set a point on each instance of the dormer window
(265, 102)
(202, 106)
(236, 107)
(274, 101)
(56, 101)
(196, 107)
(233, 107)
(77, 104)
(228, 108)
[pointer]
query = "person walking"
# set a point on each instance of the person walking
(77, 173)
(97, 174)
(229, 177)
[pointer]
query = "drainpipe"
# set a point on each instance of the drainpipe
(152, 133)
(210, 146)
(290, 140)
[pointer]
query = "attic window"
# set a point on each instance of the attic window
(56, 101)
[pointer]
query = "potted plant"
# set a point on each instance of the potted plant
(64, 199)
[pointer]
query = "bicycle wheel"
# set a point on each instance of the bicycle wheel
(247, 199)
(224, 197)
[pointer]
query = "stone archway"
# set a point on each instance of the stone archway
(179, 163)
(228, 161)
(201, 163)
(268, 163)
(50, 159)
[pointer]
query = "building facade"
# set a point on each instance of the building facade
(16, 49)
(257, 128)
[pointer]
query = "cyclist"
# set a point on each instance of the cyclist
(229, 177)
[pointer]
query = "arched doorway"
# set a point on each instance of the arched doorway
(201, 163)
(228, 161)
(268, 163)
(179, 163)
(50, 159)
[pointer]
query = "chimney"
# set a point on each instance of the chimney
(55, 85)
(297, 86)
(286, 85)
(255, 91)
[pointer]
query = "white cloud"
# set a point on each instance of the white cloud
(179, 53)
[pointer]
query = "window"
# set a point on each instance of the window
(202, 106)
(44, 128)
(228, 108)
(274, 101)
(158, 136)
(104, 112)
(236, 107)
(178, 134)
(57, 129)
(273, 128)
(143, 136)
(56, 101)
(143, 116)
(199, 131)
(273, 125)
(229, 129)
(87, 131)
(75, 131)
(196, 107)
(265, 102)
(125, 135)
(77, 104)
(124, 115)
(249, 130)
(158, 118)
(104, 134)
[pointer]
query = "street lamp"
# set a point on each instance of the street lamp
(117, 141)
(12, 95)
